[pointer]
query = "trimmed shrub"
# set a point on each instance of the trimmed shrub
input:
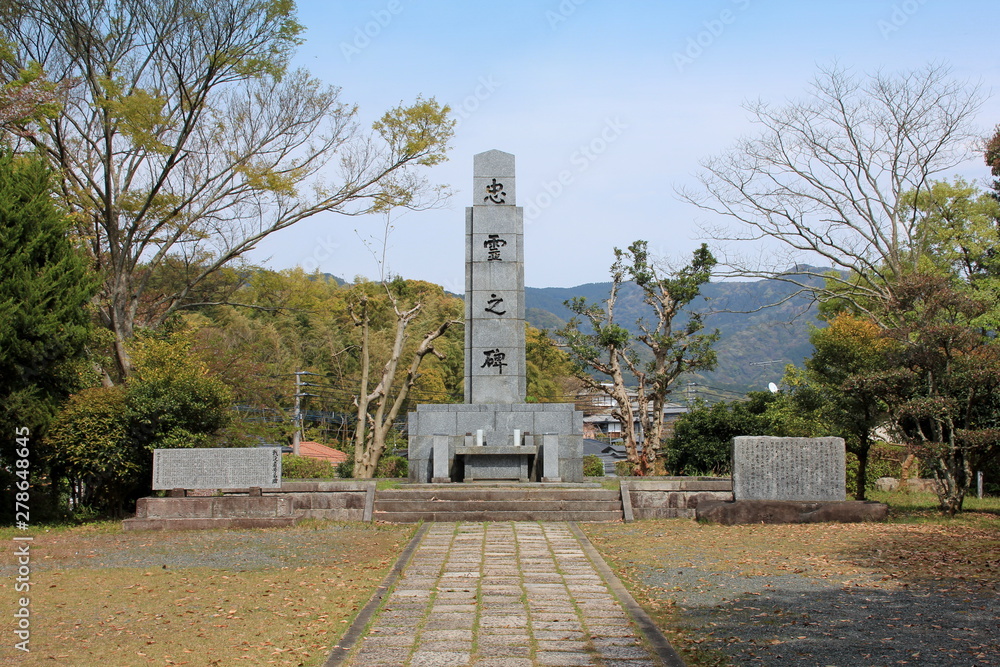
(392, 466)
(593, 466)
(624, 468)
(304, 467)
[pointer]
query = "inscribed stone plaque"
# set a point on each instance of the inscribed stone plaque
(217, 468)
(767, 468)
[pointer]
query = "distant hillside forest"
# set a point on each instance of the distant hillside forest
(757, 338)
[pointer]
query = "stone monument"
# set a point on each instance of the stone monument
(495, 435)
(788, 480)
(768, 468)
(217, 468)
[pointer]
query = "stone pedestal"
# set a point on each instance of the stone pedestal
(440, 449)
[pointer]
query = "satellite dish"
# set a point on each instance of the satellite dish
(772, 387)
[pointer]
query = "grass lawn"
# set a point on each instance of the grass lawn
(108, 598)
(700, 581)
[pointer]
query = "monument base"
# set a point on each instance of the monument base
(517, 442)
(790, 511)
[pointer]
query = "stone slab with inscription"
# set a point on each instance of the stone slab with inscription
(217, 468)
(769, 468)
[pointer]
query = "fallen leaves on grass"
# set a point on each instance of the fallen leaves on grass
(286, 609)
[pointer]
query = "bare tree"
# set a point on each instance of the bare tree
(184, 137)
(826, 178)
(378, 407)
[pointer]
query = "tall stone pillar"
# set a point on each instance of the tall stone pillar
(495, 435)
(494, 290)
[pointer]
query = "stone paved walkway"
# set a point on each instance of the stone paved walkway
(501, 595)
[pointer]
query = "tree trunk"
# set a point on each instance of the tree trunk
(862, 480)
(373, 429)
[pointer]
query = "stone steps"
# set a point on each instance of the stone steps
(496, 504)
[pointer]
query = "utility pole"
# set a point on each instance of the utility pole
(299, 395)
(297, 419)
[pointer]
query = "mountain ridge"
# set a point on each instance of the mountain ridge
(763, 326)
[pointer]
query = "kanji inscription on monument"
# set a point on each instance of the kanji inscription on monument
(217, 468)
(494, 303)
(768, 468)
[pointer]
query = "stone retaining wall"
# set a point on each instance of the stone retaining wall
(237, 508)
(673, 497)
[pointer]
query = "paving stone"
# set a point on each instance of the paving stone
(503, 621)
(390, 640)
(623, 652)
(600, 642)
(574, 644)
(505, 648)
(433, 644)
(453, 609)
(411, 593)
(611, 631)
(503, 662)
(564, 659)
(560, 635)
(377, 655)
(441, 623)
(557, 626)
(553, 617)
(439, 659)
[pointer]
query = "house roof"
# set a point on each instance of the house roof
(315, 450)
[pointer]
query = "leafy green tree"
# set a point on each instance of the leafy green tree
(89, 445)
(943, 380)
(172, 399)
(549, 369)
(45, 286)
(103, 438)
(835, 386)
(608, 349)
(184, 139)
(703, 437)
(992, 156)
(960, 236)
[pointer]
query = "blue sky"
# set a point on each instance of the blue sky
(626, 97)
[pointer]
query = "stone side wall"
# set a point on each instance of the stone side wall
(337, 501)
(236, 508)
(673, 498)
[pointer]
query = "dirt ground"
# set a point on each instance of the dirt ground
(106, 598)
(923, 593)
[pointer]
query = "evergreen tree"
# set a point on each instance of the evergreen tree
(45, 286)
